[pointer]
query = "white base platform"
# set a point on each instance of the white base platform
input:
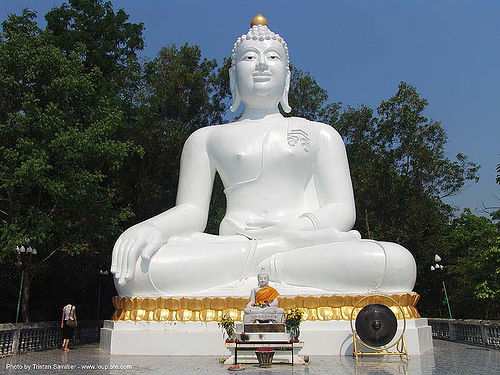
(162, 338)
(198, 338)
(335, 337)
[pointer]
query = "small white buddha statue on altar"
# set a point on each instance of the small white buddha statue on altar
(290, 204)
(263, 305)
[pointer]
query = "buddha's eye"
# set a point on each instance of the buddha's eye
(273, 57)
(249, 57)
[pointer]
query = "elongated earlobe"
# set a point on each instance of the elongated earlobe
(235, 95)
(284, 98)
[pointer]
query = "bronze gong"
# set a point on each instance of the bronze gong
(376, 325)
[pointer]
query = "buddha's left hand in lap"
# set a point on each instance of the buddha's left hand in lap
(297, 231)
(265, 228)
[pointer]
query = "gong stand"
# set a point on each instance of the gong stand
(360, 347)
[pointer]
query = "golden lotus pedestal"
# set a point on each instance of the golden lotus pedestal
(211, 309)
(188, 326)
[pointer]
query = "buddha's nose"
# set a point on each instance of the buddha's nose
(262, 63)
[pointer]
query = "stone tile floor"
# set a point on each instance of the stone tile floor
(446, 359)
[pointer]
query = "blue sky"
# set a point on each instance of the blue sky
(359, 51)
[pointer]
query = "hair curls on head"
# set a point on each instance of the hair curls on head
(261, 33)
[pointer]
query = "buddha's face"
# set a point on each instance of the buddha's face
(263, 280)
(261, 73)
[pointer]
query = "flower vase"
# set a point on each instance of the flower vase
(295, 333)
(265, 358)
(231, 337)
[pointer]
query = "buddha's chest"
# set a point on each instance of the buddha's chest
(244, 152)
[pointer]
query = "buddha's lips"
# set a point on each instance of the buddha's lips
(262, 77)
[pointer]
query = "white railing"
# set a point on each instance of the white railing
(474, 332)
(27, 337)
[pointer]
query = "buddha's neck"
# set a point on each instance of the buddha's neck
(260, 113)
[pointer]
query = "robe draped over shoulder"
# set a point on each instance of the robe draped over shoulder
(266, 294)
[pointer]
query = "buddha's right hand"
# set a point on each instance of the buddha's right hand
(144, 240)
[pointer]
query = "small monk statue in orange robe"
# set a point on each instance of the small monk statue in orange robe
(263, 305)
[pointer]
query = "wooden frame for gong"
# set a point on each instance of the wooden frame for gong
(359, 347)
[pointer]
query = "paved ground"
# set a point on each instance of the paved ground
(446, 359)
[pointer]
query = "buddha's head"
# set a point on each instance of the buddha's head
(259, 75)
(263, 278)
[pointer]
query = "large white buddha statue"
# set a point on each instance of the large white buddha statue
(290, 205)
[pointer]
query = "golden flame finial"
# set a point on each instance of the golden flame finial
(259, 19)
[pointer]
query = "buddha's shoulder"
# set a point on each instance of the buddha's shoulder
(207, 131)
(200, 135)
(318, 128)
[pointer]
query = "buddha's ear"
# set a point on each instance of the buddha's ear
(284, 98)
(235, 94)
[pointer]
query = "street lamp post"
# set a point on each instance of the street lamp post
(101, 274)
(23, 257)
(440, 267)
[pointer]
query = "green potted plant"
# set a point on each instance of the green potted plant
(227, 324)
(292, 323)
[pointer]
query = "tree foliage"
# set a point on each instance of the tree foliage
(474, 270)
(306, 98)
(180, 86)
(60, 147)
(59, 144)
(102, 38)
(399, 170)
(178, 96)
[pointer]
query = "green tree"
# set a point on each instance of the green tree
(306, 98)
(474, 266)
(400, 175)
(416, 145)
(181, 86)
(60, 150)
(102, 38)
(182, 92)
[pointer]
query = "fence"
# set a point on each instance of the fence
(28, 337)
(474, 332)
